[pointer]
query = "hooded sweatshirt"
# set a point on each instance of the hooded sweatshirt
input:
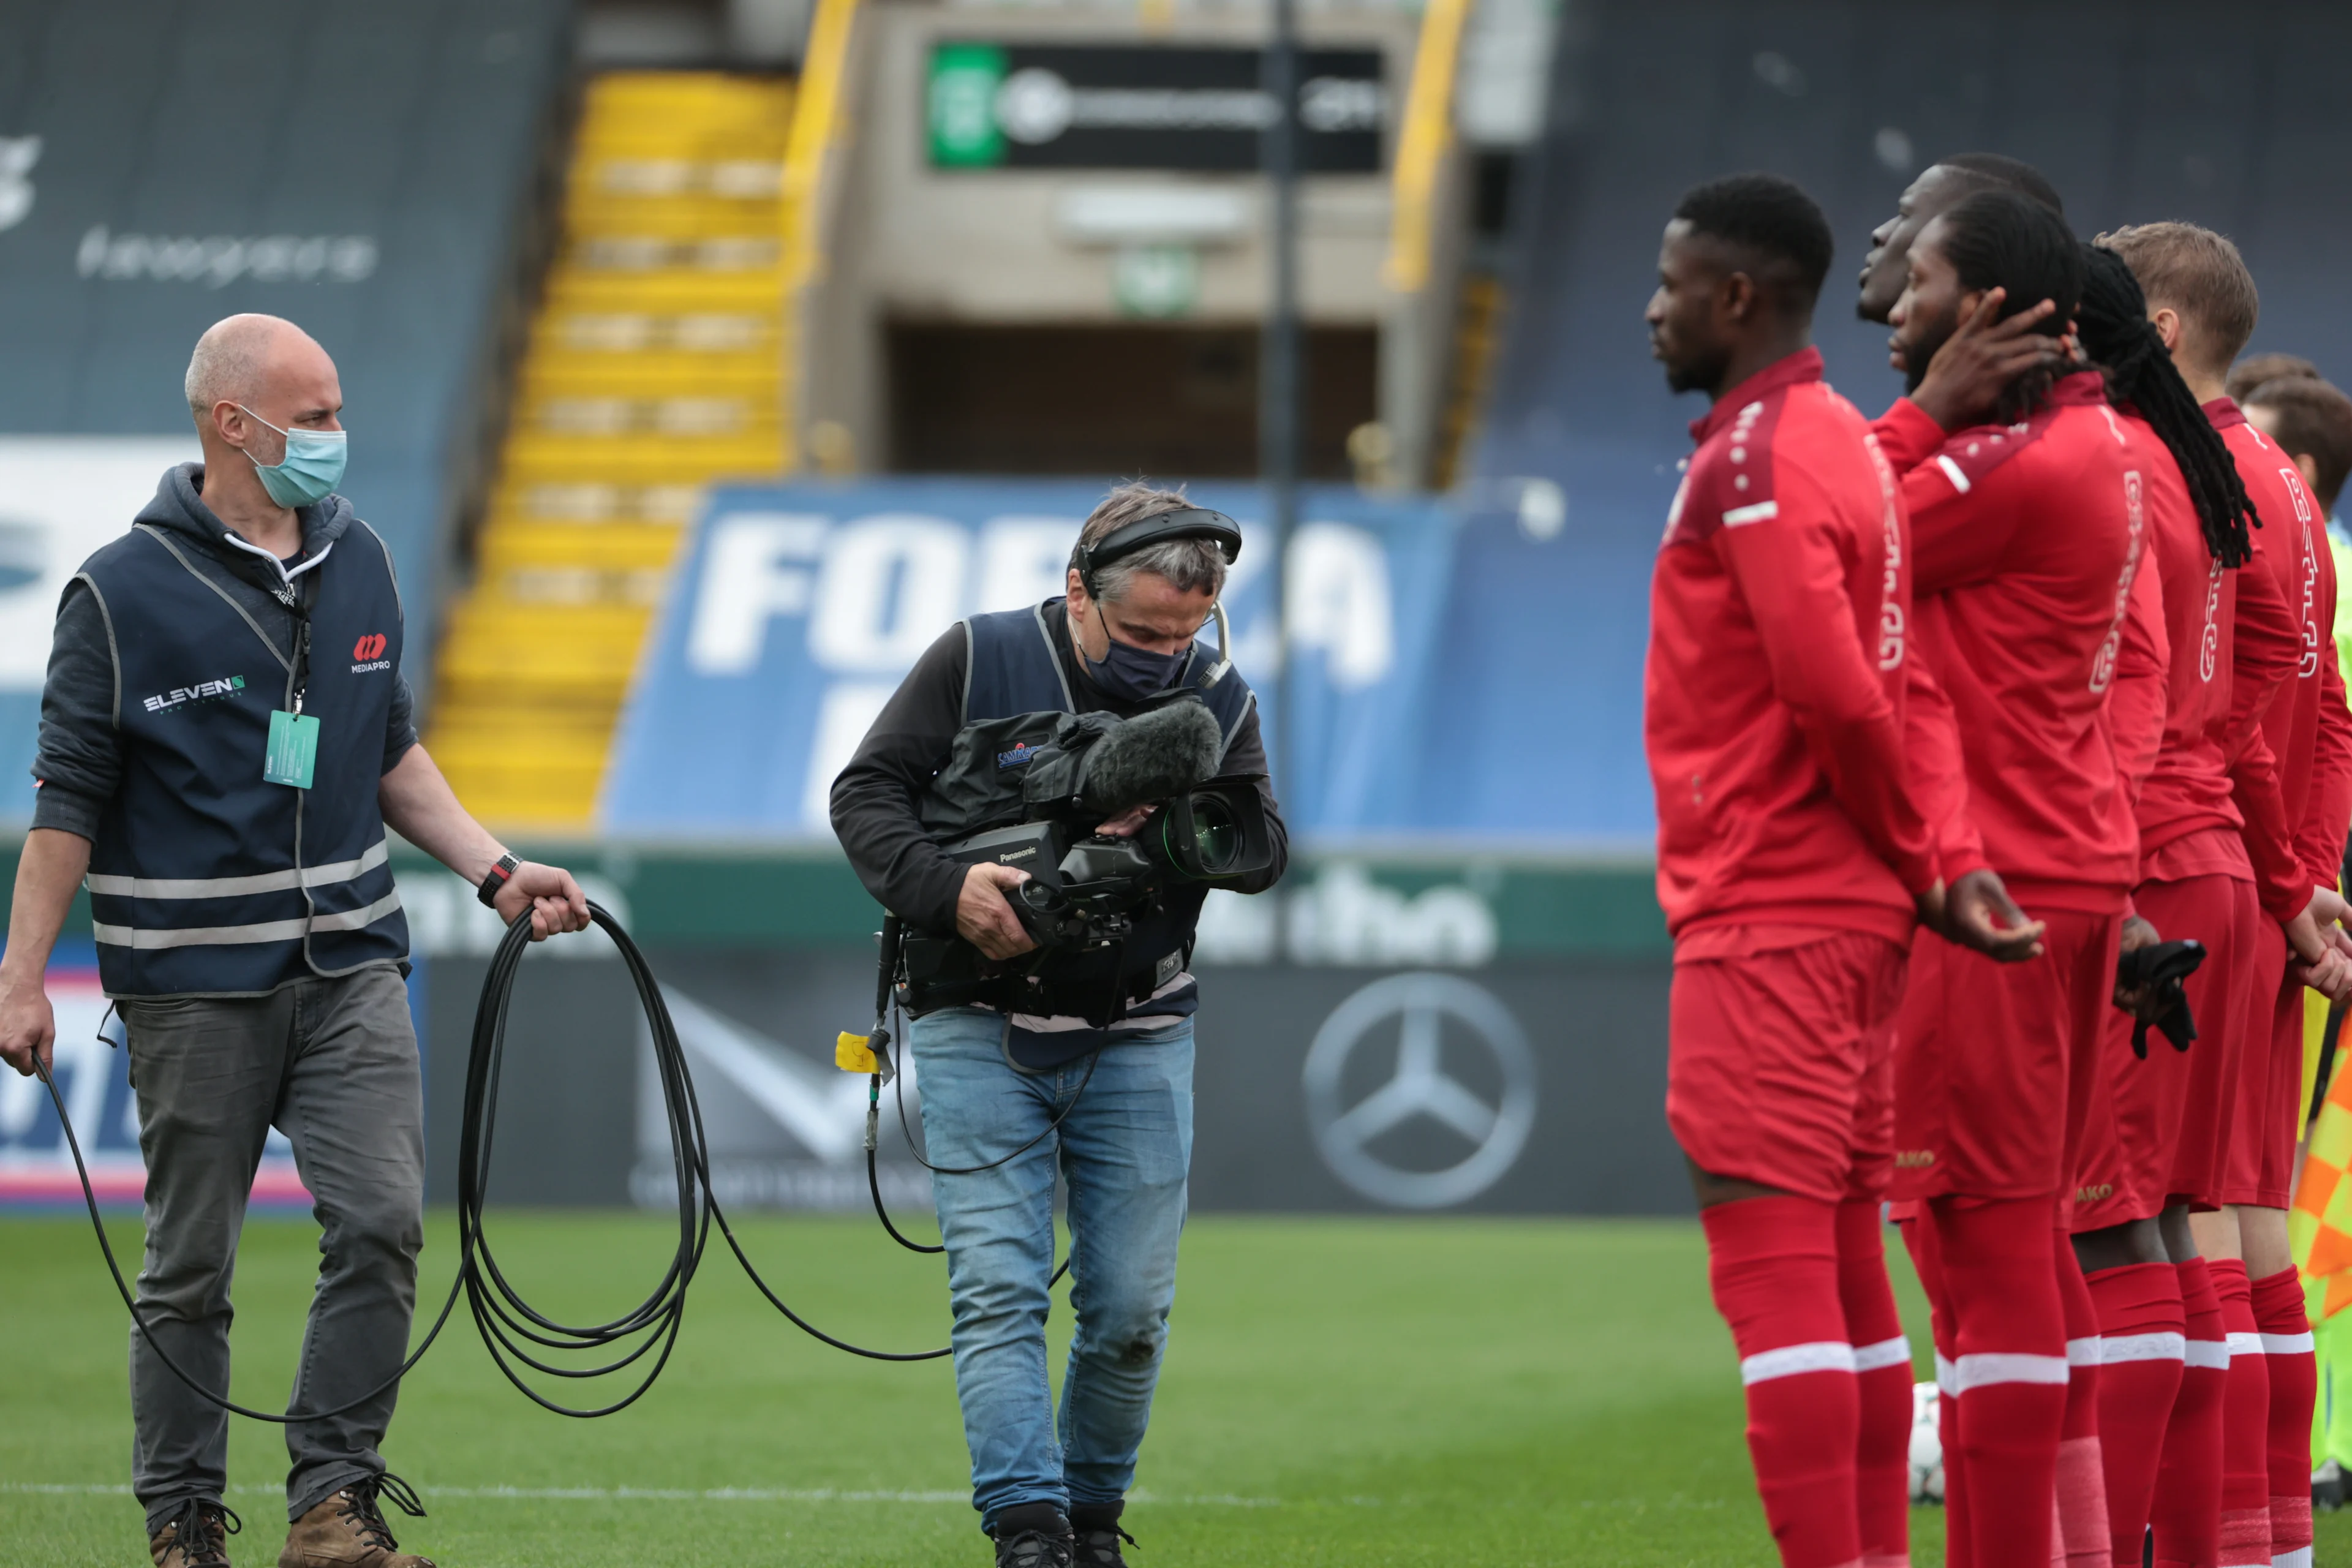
(79, 765)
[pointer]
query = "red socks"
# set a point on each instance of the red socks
(2082, 1538)
(2294, 1385)
(2245, 1539)
(1773, 1263)
(1881, 1363)
(2142, 1331)
(2186, 1509)
(2009, 1373)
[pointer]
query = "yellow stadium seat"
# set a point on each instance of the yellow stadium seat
(655, 365)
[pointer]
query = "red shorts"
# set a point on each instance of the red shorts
(2259, 1166)
(1777, 1064)
(2157, 1138)
(1998, 1063)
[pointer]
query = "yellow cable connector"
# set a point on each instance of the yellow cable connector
(854, 1053)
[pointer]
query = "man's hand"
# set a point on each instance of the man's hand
(1979, 914)
(555, 900)
(1128, 822)
(2136, 1000)
(27, 1025)
(1981, 358)
(982, 917)
(1930, 905)
(2323, 950)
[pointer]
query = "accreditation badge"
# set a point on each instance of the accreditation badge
(293, 750)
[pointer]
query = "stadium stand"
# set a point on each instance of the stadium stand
(656, 363)
(369, 171)
(374, 186)
(2136, 111)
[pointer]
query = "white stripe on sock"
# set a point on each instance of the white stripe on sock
(2246, 1344)
(1947, 1376)
(1789, 1361)
(2084, 1351)
(2114, 1348)
(1896, 1352)
(2298, 1558)
(2286, 1344)
(2211, 1354)
(1987, 1368)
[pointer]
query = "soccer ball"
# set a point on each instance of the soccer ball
(1926, 1446)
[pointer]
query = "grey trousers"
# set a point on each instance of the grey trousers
(334, 1064)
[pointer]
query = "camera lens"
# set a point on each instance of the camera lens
(1216, 836)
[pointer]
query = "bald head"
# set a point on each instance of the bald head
(240, 359)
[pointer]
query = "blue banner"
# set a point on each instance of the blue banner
(799, 607)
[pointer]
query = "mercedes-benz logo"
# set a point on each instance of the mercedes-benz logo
(1423, 1005)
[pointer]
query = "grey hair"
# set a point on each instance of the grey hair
(1190, 565)
(227, 361)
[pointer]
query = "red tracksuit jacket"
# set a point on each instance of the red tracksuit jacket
(2306, 727)
(2027, 539)
(1780, 615)
(2232, 643)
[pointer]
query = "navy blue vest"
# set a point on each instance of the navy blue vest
(204, 880)
(1011, 670)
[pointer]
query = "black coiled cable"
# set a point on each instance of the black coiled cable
(507, 1322)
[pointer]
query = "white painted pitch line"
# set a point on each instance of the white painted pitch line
(674, 1494)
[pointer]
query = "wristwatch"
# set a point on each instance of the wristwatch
(500, 874)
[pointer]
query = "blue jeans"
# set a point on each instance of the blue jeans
(1124, 1150)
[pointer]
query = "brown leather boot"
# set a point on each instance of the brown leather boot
(348, 1531)
(196, 1537)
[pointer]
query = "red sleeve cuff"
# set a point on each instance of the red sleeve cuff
(2283, 903)
(1907, 434)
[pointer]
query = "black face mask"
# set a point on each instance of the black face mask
(1131, 672)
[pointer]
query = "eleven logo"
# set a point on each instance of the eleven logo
(368, 652)
(203, 691)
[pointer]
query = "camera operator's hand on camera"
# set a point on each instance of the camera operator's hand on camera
(555, 900)
(982, 917)
(1128, 822)
(1979, 913)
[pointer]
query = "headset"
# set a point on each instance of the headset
(1185, 522)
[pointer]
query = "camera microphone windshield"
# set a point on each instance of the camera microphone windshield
(1152, 758)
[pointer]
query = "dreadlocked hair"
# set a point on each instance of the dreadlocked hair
(2118, 337)
(2000, 240)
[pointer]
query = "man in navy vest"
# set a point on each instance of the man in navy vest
(995, 1078)
(225, 738)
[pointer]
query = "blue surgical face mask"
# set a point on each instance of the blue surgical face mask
(1131, 672)
(311, 468)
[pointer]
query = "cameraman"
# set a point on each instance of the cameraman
(1050, 1494)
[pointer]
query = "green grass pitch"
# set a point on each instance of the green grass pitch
(1356, 1392)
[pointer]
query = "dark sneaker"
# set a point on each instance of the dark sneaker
(196, 1537)
(348, 1531)
(1033, 1535)
(1095, 1529)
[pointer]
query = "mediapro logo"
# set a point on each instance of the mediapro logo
(369, 653)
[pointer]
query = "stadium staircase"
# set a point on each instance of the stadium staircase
(656, 364)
